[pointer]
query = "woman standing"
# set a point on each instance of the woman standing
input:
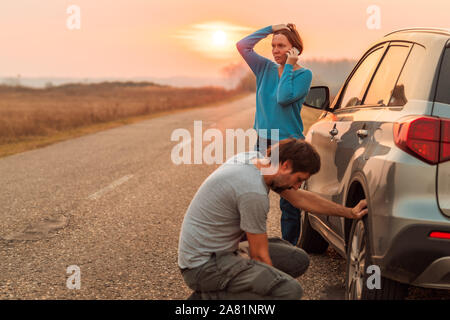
(281, 89)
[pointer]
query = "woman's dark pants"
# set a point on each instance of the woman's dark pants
(290, 215)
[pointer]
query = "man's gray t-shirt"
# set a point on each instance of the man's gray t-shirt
(233, 199)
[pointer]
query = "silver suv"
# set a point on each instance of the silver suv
(386, 138)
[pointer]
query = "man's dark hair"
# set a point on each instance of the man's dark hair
(303, 155)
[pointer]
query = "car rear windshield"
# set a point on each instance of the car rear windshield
(443, 89)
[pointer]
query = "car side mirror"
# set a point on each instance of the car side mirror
(318, 98)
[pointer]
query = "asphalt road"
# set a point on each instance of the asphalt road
(112, 204)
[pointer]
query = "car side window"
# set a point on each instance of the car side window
(410, 84)
(357, 85)
(382, 86)
(443, 89)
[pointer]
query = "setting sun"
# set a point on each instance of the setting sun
(219, 38)
(213, 39)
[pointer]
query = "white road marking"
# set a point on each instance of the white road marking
(116, 183)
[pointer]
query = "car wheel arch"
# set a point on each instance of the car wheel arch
(357, 190)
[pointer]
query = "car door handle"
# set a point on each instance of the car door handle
(362, 133)
(334, 132)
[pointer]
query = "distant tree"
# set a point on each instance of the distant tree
(247, 83)
(234, 72)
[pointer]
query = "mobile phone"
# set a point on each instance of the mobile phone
(296, 51)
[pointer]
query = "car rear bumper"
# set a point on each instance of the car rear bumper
(417, 259)
(437, 275)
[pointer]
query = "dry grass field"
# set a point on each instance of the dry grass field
(31, 118)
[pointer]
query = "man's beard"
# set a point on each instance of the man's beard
(277, 188)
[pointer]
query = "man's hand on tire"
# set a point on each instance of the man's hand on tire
(360, 210)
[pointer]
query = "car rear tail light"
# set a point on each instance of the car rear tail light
(426, 138)
(440, 235)
(445, 140)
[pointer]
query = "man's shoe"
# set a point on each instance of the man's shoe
(195, 296)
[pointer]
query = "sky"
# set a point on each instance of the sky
(194, 38)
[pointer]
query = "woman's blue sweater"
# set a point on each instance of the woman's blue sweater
(278, 100)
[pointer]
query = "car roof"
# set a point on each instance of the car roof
(433, 38)
(441, 31)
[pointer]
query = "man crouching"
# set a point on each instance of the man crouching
(234, 201)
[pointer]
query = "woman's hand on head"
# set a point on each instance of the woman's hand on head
(290, 26)
(278, 27)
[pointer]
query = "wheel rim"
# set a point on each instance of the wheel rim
(357, 263)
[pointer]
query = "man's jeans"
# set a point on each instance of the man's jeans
(290, 215)
(230, 276)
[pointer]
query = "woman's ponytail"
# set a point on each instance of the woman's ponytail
(293, 36)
